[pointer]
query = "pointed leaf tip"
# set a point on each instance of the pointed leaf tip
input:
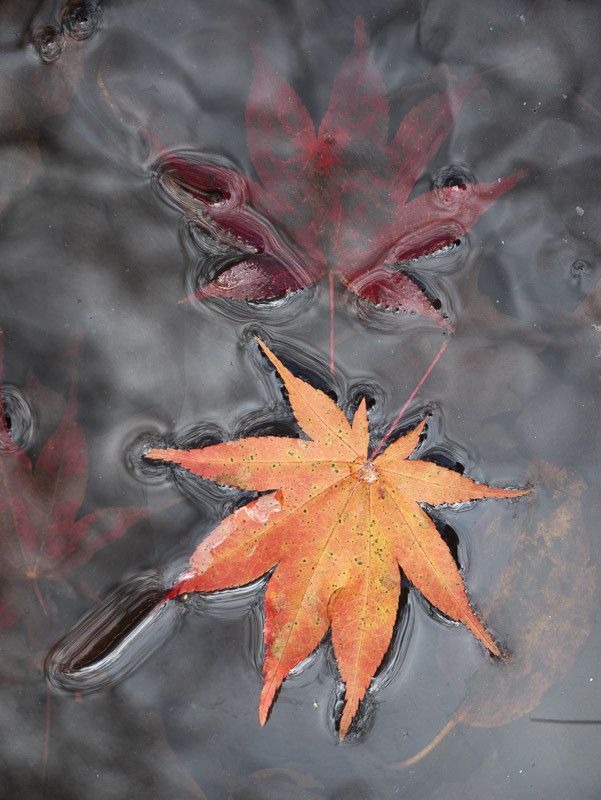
(273, 358)
(360, 34)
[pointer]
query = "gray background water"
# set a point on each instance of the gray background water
(89, 248)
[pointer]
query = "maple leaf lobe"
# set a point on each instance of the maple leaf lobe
(335, 528)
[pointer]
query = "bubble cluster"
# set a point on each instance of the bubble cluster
(79, 21)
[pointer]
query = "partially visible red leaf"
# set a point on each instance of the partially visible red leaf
(217, 198)
(358, 110)
(432, 221)
(255, 278)
(424, 129)
(438, 217)
(40, 534)
(394, 290)
(280, 145)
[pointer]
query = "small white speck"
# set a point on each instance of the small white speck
(565, 97)
(522, 19)
(579, 211)
(590, 680)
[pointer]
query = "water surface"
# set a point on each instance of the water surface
(93, 251)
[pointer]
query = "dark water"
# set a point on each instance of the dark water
(95, 252)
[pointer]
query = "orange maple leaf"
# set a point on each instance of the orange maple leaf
(337, 528)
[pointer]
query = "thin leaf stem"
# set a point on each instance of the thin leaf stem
(585, 102)
(331, 323)
(411, 396)
(36, 586)
(409, 762)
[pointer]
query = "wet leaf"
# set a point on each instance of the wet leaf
(335, 525)
(552, 609)
(545, 608)
(41, 533)
(339, 194)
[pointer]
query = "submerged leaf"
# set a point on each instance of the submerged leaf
(554, 612)
(339, 195)
(41, 534)
(545, 614)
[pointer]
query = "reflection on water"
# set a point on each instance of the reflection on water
(98, 238)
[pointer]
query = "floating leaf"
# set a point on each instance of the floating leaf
(334, 525)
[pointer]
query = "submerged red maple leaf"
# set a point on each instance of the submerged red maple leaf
(40, 534)
(335, 526)
(339, 197)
